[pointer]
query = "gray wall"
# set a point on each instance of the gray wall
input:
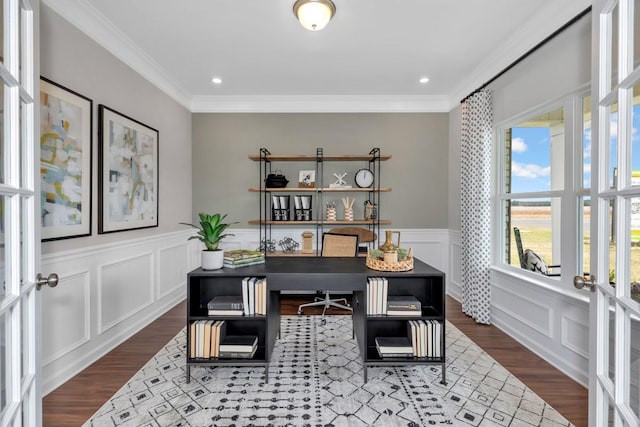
(417, 172)
(70, 58)
(560, 67)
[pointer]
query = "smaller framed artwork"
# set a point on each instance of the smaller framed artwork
(307, 179)
(65, 162)
(128, 172)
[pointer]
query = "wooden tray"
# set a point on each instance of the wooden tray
(382, 265)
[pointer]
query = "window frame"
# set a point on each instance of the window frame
(573, 191)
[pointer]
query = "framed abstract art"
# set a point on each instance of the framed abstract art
(65, 162)
(128, 172)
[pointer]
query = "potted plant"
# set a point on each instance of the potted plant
(210, 232)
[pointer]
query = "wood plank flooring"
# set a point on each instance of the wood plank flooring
(75, 401)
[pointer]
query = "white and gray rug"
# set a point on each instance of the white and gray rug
(316, 379)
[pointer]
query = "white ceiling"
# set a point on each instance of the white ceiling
(368, 58)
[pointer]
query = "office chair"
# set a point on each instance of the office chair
(334, 245)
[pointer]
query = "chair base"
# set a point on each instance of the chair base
(326, 302)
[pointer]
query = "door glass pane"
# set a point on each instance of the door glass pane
(634, 397)
(537, 153)
(634, 250)
(636, 33)
(535, 223)
(613, 146)
(586, 234)
(610, 337)
(4, 381)
(586, 142)
(3, 262)
(610, 236)
(615, 25)
(635, 139)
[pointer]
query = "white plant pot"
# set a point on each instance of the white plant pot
(212, 260)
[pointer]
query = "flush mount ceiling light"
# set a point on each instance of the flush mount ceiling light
(314, 14)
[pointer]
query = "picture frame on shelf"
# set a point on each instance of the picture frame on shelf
(128, 173)
(66, 119)
(307, 179)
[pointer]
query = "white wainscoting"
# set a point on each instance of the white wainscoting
(552, 323)
(105, 295)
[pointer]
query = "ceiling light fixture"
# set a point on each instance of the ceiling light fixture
(216, 80)
(424, 80)
(314, 14)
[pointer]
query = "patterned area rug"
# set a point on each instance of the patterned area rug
(316, 379)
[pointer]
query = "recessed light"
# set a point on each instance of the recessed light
(216, 80)
(424, 80)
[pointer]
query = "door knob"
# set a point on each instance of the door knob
(41, 281)
(587, 281)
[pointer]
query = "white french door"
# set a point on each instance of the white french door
(20, 402)
(614, 370)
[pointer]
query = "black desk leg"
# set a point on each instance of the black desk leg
(266, 374)
(444, 381)
(365, 374)
(188, 373)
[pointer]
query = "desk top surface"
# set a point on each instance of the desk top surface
(282, 266)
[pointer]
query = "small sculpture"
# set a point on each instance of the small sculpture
(340, 182)
(267, 245)
(288, 245)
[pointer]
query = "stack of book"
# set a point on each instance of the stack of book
(403, 305)
(426, 337)
(226, 305)
(208, 339)
(377, 290)
(254, 296)
(242, 258)
(238, 346)
(394, 347)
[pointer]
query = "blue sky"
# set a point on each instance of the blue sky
(531, 159)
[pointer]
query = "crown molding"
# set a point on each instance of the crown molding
(91, 22)
(545, 22)
(320, 104)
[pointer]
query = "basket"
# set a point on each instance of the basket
(382, 265)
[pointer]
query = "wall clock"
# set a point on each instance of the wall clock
(364, 178)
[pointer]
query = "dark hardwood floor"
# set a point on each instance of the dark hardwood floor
(76, 400)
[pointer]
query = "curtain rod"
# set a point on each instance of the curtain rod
(530, 51)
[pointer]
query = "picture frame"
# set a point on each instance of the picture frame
(66, 129)
(307, 179)
(128, 173)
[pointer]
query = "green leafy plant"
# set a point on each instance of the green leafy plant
(211, 229)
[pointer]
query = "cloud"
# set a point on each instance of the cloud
(518, 145)
(529, 171)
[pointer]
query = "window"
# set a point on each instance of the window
(542, 195)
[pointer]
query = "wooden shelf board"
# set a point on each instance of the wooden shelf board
(354, 222)
(316, 190)
(313, 158)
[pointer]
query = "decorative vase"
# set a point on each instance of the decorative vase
(212, 260)
(348, 214)
(331, 214)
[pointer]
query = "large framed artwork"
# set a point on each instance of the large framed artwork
(65, 162)
(128, 172)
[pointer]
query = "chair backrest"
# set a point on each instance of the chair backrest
(516, 234)
(339, 245)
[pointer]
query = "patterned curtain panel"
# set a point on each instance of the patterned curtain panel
(475, 188)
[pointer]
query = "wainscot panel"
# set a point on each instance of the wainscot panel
(536, 316)
(106, 294)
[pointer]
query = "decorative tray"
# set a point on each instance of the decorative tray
(382, 265)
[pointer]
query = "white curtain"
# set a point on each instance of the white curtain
(475, 189)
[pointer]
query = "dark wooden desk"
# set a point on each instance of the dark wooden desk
(316, 273)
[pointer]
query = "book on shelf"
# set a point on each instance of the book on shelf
(226, 302)
(225, 312)
(425, 337)
(238, 354)
(238, 343)
(242, 264)
(242, 254)
(403, 302)
(207, 338)
(416, 313)
(394, 346)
